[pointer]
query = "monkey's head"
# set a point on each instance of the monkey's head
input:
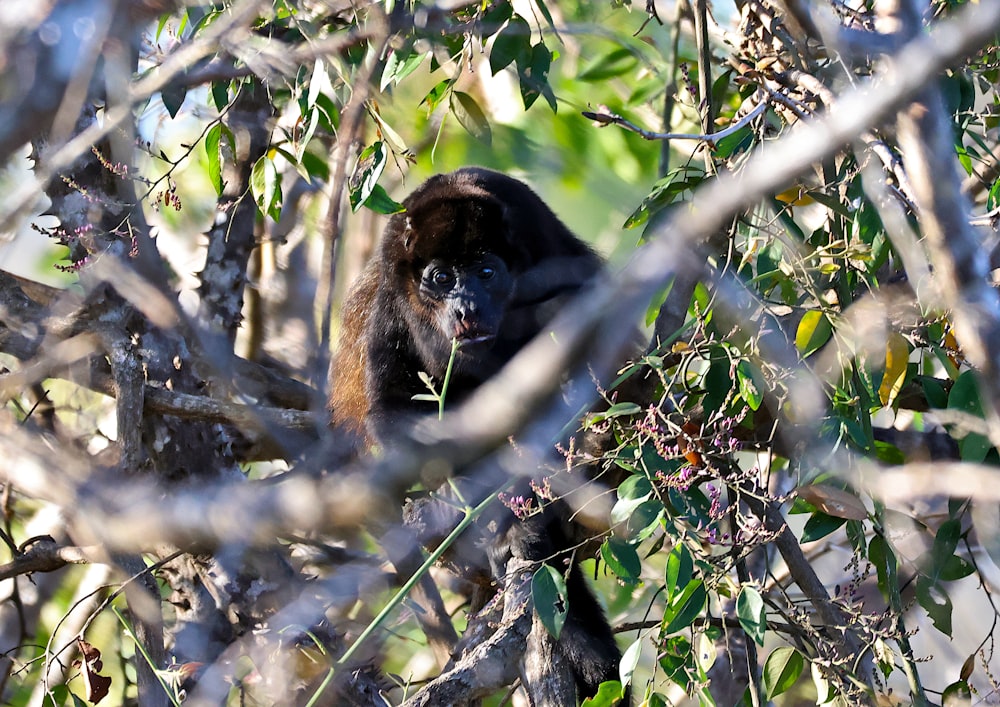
(451, 261)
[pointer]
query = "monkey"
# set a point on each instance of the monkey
(476, 257)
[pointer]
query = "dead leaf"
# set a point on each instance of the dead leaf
(834, 502)
(97, 686)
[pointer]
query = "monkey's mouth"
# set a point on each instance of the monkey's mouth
(471, 339)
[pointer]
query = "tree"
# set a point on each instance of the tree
(806, 195)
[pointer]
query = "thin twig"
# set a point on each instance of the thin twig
(604, 118)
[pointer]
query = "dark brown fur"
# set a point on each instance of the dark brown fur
(388, 333)
(392, 330)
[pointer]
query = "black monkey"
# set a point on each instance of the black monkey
(479, 258)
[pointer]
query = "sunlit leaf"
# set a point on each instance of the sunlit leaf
(814, 330)
(437, 94)
(399, 65)
(897, 359)
(751, 613)
(679, 571)
(266, 186)
(622, 559)
(629, 661)
(781, 670)
(749, 389)
(470, 116)
(609, 693)
(371, 162)
(688, 606)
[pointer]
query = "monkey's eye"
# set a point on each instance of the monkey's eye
(442, 278)
(486, 272)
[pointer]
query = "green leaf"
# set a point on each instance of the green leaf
(266, 187)
(371, 163)
(958, 694)
(622, 559)
(781, 670)
(964, 396)
(880, 555)
(609, 693)
(470, 116)
(889, 453)
(610, 64)
(956, 568)
(740, 141)
(644, 520)
(717, 381)
(512, 44)
(993, 198)
(749, 389)
(751, 613)
(548, 592)
(936, 602)
(534, 77)
(819, 526)
(679, 570)
(173, 96)
(635, 488)
(214, 153)
(220, 94)
(689, 605)
(399, 65)
(814, 330)
(328, 112)
(381, 203)
(616, 410)
(674, 659)
(945, 541)
(437, 94)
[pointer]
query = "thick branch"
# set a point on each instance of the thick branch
(45, 555)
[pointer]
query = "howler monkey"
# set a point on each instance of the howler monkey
(479, 258)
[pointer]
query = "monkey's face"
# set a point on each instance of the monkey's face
(465, 302)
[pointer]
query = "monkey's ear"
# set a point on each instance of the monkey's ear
(408, 234)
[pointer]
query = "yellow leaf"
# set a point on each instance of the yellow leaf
(897, 356)
(795, 196)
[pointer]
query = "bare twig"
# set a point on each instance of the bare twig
(604, 118)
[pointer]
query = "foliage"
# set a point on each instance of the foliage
(771, 505)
